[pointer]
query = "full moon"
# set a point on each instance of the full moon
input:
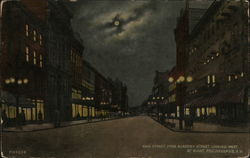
(116, 23)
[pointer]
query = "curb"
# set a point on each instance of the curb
(52, 128)
(185, 131)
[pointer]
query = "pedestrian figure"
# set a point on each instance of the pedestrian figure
(40, 116)
(78, 116)
(23, 117)
(5, 118)
(101, 116)
(57, 118)
(19, 121)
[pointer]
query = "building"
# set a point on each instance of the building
(160, 92)
(76, 63)
(103, 95)
(88, 95)
(43, 72)
(217, 62)
(120, 97)
(23, 62)
(186, 22)
(58, 46)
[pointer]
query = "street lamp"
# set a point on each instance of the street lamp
(181, 81)
(170, 79)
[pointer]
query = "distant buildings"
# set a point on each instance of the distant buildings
(43, 71)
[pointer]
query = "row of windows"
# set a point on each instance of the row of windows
(234, 77)
(35, 113)
(33, 34)
(37, 58)
(82, 111)
(75, 58)
(211, 79)
(76, 94)
(88, 85)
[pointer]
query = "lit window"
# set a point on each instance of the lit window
(27, 54)
(213, 78)
(208, 79)
(27, 30)
(34, 59)
(236, 77)
(229, 78)
(41, 60)
(40, 39)
(34, 33)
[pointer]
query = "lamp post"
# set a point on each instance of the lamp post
(181, 81)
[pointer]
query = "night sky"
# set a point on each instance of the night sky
(129, 39)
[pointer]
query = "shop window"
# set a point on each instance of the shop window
(229, 78)
(85, 111)
(12, 112)
(198, 113)
(33, 113)
(93, 111)
(28, 114)
(187, 111)
(213, 110)
(203, 111)
(80, 110)
(73, 110)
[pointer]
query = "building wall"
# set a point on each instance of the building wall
(217, 53)
(23, 56)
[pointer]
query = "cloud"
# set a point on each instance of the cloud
(143, 43)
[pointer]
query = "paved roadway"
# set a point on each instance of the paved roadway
(134, 137)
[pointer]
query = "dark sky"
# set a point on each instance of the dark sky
(132, 49)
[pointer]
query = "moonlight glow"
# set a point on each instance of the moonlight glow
(116, 23)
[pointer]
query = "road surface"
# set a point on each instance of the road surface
(134, 137)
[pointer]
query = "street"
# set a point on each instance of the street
(133, 137)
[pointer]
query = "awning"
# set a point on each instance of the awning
(25, 103)
(10, 100)
(195, 102)
(7, 98)
(77, 101)
(225, 97)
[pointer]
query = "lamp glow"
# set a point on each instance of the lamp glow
(181, 79)
(25, 81)
(7, 81)
(189, 79)
(170, 79)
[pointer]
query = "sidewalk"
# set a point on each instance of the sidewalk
(200, 127)
(44, 126)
